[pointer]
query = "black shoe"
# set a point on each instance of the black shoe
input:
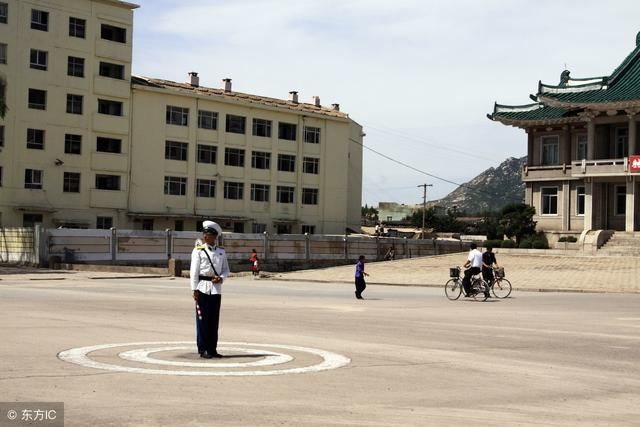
(359, 297)
(206, 355)
(217, 355)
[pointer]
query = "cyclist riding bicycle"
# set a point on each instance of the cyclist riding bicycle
(473, 266)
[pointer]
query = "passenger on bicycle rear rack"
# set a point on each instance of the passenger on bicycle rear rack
(488, 263)
(473, 266)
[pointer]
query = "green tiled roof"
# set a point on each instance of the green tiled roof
(561, 103)
(622, 85)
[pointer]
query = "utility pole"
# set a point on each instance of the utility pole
(424, 205)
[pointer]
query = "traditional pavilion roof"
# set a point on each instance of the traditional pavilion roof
(232, 96)
(561, 103)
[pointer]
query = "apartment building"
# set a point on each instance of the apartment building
(583, 156)
(85, 144)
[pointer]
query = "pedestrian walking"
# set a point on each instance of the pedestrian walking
(209, 268)
(360, 274)
(255, 268)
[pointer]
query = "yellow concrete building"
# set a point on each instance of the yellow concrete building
(85, 144)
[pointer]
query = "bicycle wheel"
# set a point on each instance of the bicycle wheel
(479, 290)
(453, 289)
(501, 288)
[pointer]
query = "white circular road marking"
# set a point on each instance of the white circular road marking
(142, 355)
(80, 356)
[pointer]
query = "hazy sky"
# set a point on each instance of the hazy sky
(419, 76)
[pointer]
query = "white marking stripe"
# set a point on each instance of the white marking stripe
(142, 356)
(79, 356)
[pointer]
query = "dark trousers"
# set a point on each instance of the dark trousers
(487, 274)
(207, 327)
(466, 281)
(360, 285)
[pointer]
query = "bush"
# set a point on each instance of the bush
(569, 239)
(563, 239)
(539, 244)
(492, 243)
(526, 243)
(508, 244)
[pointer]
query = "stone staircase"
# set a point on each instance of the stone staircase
(622, 243)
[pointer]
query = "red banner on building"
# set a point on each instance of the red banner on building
(634, 163)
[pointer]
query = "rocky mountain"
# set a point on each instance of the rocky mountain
(489, 191)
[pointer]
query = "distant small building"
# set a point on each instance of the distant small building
(394, 213)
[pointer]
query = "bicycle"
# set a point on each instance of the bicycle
(500, 287)
(453, 288)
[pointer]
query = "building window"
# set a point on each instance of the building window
(207, 154)
(233, 190)
(77, 27)
(71, 183)
(580, 200)
(235, 124)
(622, 142)
(207, 119)
(258, 228)
(205, 188)
(104, 222)
(259, 193)
(283, 228)
(175, 185)
(39, 59)
(4, 12)
(550, 150)
(310, 165)
(262, 128)
(621, 200)
(284, 194)
(287, 131)
(37, 99)
(0, 176)
(39, 20)
(311, 135)
(309, 196)
(549, 200)
(30, 220)
(260, 160)
(581, 147)
(113, 108)
(74, 104)
(108, 182)
(108, 145)
(3, 53)
(35, 139)
(114, 71)
(1, 135)
(308, 229)
(178, 225)
(75, 66)
(115, 34)
(177, 116)
(175, 150)
(286, 163)
(147, 224)
(33, 179)
(72, 143)
(234, 157)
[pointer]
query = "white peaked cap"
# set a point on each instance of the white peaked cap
(210, 227)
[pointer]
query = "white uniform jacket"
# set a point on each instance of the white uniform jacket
(200, 266)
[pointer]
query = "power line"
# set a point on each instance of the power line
(423, 172)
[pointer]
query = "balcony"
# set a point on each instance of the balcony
(603, 167)
(577, 169)
(546, 173)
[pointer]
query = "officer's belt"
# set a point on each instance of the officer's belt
(207, 278)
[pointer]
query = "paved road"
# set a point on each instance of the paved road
(415, 358)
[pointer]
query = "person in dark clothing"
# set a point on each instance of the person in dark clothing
(488, 263)
(360, 283)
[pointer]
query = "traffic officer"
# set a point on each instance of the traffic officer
(209, 268)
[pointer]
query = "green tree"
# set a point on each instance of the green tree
(516, 220)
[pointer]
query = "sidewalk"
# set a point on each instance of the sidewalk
(525, 272)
